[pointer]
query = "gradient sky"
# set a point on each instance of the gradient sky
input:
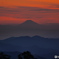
(40, 11)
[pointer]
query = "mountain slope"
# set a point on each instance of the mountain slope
(37, 45)
(29, 24)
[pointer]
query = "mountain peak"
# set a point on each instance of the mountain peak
(29, 22)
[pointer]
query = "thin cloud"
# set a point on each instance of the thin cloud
(56, 6)
(34, 13)
(2, 7)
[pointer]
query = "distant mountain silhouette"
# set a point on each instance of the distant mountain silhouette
(30, 28)
(29, 24)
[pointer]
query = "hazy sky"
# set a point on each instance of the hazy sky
(31, 3)
(40, 11)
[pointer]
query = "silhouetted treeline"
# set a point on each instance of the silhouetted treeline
(4, 56)
(24, 55)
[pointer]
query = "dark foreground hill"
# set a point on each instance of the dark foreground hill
(38, 46)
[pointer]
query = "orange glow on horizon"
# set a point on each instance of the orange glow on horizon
(10, 20)
(30, 3)
(48, 16)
